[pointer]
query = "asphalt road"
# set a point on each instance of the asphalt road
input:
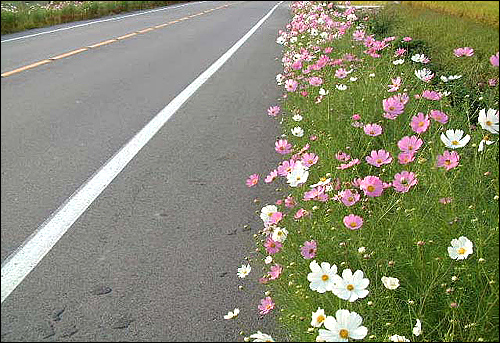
(154, 257)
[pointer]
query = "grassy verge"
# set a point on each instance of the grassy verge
(19, 16)
(395, 217)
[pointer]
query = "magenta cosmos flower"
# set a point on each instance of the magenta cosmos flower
(349, 198)
(266, 305)
(448, 160)
(283, 147)
(272, 246)
(291, 85)
(273, 111)
(353, 222)
(252, 180)
(379, 158)
(410, 144)
(494, 60)
(372, 186)
(466, 51)
(404, 181)
(309, 249)
(439, 116)
(420, 123)
(373, 129)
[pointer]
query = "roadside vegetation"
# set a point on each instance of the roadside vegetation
(386, 225)
(24, 15)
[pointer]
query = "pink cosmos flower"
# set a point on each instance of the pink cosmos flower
(448, 160)
(358, 35)
(313, 137)
(356, 117)
(492, 82)
(404, 181)
(351, 163)
(342, 156)
(272, 175)
(446, 200)
(266, 305)
(431, 95)
(466, 51)
(399, 52)
(372, 186)
(396, 83)
(407, 39)
(494, 60)
(275, 272)
(291, 85)
(304, 93)
(410, 144)
(315, 81)
(290, 202)
(252, 180)
(273, 111)
(308, 159)
(349, 197)
(420, 123)
(297, 65)
(341, 73)
(317, 193)
(328, 50)
(283, 147)
(275, 218)
(353, 222)
(300, 213)
(393, 106)
(272, 247)
(439, 116)
(372, 130)
(286, 167)
(406, 157)
(309, 249)
(379, 158)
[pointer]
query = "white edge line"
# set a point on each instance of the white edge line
(20, 263)
(101, 21)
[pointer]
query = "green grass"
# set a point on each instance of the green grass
(19, 15)
(395, 222)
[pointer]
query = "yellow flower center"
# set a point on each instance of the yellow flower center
(350, 199)
(324, 277)
(322, 179)
(379, 161)
(454, 142)
(489, 123)
(421, 124)
(350, 287)
(447, 162)
(353, 224)
(320, 319)
(461, 251)
(391, 108)
(370, 188)
(344, 333)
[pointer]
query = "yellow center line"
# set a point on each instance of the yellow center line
(74, 52)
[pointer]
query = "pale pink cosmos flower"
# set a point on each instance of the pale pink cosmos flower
(273, 111)
(291, 85)
(300, 213)
(494, 60)
(372, 130)
(351, 163)
(317, 193)
(353, 222)
(406, 157)
(404, 181)
(372, 186)
(283, 147)
(445, 200)
(466, 51)
(341, 73)
(420, 123)
(358, 35)
(290, 202)
(349, 197)
(275, 272)
(309, 159)
(379, 158)
(399, 52)
(448, 160)
(309, 249)
(297, 65)
(342, 156)
(328, 50)
(272, 175)
(393, 106)
(396, 83)
(431, 95)
(272, 247)
(410, 144)
(407, 39)
(286, 167)
(266, 305)
(439, 116)
(315, 81)
(275, 218)
(252, 180)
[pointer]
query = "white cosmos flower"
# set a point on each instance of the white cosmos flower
(460, 248)
(279, 79)
(417, 329)
(280, 40)
(400, 61)
(489, 120)
(454, 139)
(350, 286)
(424, 74)
(268, 259)
(321, 277)
(261, 337)
(398, 338)
(485, 140)
(297, 131)
(390, 282)
(232, 314)
(279, 234)
(343, 326)
(244, 270)
(318, 318)
(297, 117)
(322, 182)
(266, 212)
(298, 175)
(353, 79)
(420, 58)
(293, 39)
(341, 87)
(323, 92)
